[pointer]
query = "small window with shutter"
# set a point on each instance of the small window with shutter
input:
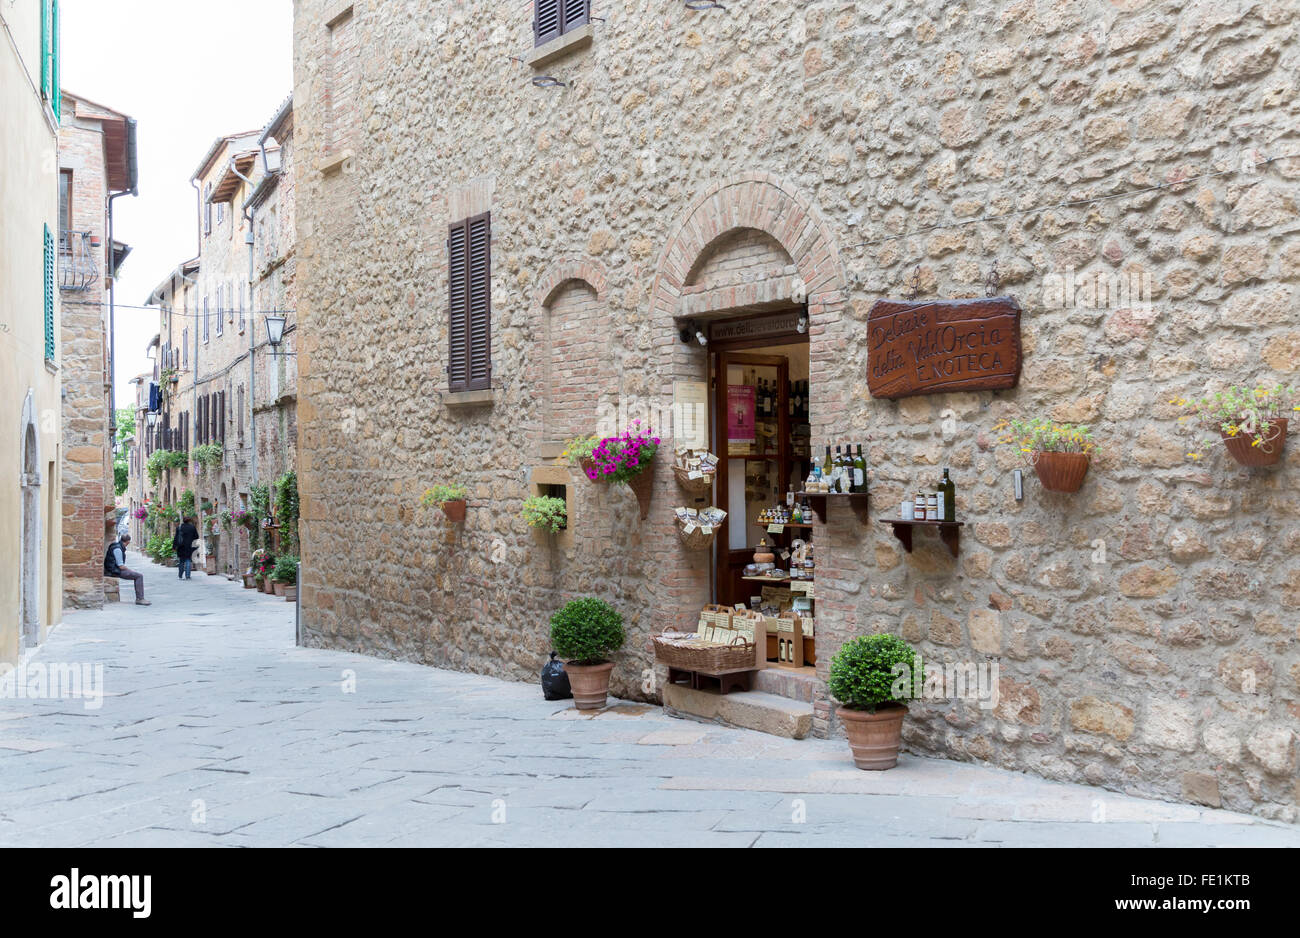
(469, 253)
(553, 18)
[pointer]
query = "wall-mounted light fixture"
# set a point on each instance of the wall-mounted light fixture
(802, 325)
(275, 330)
(692, 331)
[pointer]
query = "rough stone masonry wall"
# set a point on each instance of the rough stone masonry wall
(88, 491)
(832, 126)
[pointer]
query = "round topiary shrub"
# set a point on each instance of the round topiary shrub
(868, 670)
(586, 631)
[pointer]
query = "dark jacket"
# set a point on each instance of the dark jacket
(111, 567)
(186, 535)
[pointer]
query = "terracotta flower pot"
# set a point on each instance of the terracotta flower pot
(1268, 453)
(1061, 472)
(874, 737)
(455, 510)
(249, 582)
(278, 587)
(589, 683)
(642, 485)
(261, 585)
(291, 594)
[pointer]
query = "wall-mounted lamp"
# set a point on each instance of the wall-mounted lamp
(153, 418)
(275, 330)
(802, 325)
(692, 331)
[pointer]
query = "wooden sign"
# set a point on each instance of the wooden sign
(933, 346)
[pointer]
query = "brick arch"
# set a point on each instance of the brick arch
(587, 269)
(762, 201)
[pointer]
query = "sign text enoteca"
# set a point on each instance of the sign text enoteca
(933, 346)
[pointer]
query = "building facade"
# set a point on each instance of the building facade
(227, 391)
(619, 185)
(31, 502)
(97, 161)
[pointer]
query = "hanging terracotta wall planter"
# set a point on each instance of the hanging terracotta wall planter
(454, 511)
(1061, 472)
(589, 469)
(1267, 453)
(642, 485)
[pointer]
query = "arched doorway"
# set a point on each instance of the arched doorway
(30, 555)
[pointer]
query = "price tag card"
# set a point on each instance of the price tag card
(801, 586)
(775, 529)
(785, 555)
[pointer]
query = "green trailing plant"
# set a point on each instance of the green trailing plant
(185, 504)
(867, 672)
(286, 508)
(175, 459)
(168, 373)
(207, 456)
(121, 476)
(259, 506)
(546, 512)
(586, 631)
(155, 464)
(160, 546)
(285, 570)
(580, 448)
(439, 495)
(227, 519)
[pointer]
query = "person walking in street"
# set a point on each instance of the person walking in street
(115, 565)
(187, 535)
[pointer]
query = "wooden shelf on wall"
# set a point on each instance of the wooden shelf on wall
(820, 501)
(949, 532)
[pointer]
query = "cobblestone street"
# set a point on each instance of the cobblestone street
(215, 730)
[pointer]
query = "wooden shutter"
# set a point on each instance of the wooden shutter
(221, 419)
(547, 20)
(49, 295)
(458, 319)
(480, 302)
(576, 13)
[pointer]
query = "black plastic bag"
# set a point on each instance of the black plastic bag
(555, 683)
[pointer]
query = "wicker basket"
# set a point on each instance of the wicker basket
(696, 538)
(692, 654)
(700, 486)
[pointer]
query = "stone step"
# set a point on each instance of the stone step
(750, 710)
(786, 682)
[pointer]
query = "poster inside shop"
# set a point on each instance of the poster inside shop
(740, 413)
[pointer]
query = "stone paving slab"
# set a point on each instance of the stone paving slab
(215, 730)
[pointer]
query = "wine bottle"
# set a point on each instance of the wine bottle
(948, 489)
(859, 471)
(827, 466)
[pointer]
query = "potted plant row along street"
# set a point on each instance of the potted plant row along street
(871, 676)
(449, 499)
(585, 632)
(285, 576)
(1060, 453)
(1251, 423)
(261, 565)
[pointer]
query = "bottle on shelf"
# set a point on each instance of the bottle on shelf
(859, 472)
(948, 491)
(827, 466)
(918, 507)
(837, 472)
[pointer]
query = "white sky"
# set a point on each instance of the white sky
(188, 71)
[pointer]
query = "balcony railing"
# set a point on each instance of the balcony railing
(78, 269)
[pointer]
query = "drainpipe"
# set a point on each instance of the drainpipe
(252, 330)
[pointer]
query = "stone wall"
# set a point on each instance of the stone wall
(88, 495)
(845, 132)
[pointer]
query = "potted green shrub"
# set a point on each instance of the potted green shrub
(1059, 452)
(285, 576)
(545, 512)
(449, 499)
(871, 676)
(585, 632)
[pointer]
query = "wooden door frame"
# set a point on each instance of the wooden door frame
(722, 358)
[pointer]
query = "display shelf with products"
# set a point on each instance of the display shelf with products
(949, 531)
